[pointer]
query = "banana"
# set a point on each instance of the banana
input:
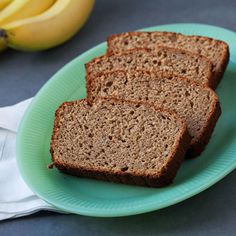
(51, 28)
(21, 9)
(4, 3)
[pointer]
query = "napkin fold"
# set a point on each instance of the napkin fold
(16, 199)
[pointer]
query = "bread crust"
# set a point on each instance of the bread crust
(217, 74)
(164, 177)
(197, 146)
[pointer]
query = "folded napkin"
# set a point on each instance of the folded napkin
(16, 199)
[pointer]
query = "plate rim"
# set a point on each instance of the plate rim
(129, 211)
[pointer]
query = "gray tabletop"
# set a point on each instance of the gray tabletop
(212, 212)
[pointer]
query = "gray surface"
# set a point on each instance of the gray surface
(212, 212)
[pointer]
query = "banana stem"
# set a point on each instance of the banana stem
(3, 34)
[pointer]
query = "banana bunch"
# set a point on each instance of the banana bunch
(34, 25)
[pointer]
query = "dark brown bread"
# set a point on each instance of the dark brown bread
(197, 105)
(215, 50)
(119, 141)
(175, 61)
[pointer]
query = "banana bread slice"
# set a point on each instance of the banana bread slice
(119, 141)
(175, 61)
(197, 105)
(215, 50)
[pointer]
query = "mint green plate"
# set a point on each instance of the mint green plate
(98, 198)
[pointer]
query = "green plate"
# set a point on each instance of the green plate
(98, 198)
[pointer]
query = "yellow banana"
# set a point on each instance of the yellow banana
(21, 9)
(4, 3)
(51, 28)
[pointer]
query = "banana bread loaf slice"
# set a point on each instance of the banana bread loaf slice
(197, 105)
(175, 61)
(119, 141)
(215, 50)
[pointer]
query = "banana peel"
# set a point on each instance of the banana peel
(21, 9)
(4, 3)
(18, 10)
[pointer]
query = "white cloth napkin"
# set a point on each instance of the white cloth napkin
(16, 199)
